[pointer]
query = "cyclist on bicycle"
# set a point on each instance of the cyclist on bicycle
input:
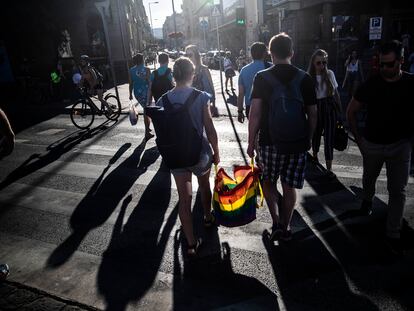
(92, 81)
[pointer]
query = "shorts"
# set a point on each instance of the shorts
(202, 167)
(290, 167)
(229, 73)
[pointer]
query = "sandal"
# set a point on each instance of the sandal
(192, 250)
(208, 223)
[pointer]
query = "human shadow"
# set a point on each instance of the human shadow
(211, 283)
(347, 255)
(103, 198)
(54, 151)
(131, 262)
(208, 281)
(309, 275)
(231, 98)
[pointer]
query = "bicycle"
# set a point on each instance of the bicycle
(84, 109)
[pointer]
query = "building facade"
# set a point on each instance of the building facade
(40, 33)
(170, 28)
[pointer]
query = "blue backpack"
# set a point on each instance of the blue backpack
(178, 140)
(286, 117)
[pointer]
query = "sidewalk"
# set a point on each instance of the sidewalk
(14, 296)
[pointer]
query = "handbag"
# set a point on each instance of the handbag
(235, 199)
(341, 137)
(133, 113)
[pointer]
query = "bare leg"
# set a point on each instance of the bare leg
(272, 197)
(205, 192)
(288, 206)
(147, 123)
(183, 182)
(329, 165)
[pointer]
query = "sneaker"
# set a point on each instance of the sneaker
(276, 232)
(395, 245)
(366, 208)
(286, 236)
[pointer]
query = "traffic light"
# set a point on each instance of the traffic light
(240, 16)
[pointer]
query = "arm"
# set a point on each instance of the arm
(210, 81)
(7, 144)
(254, 124)
(353, 107)
(240, 99)
(338, 104)
(211, 133)
(149, 94)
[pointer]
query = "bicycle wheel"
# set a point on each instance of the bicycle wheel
(115, 106)
(82, 114)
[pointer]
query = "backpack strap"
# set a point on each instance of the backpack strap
(298, 77)
(270, 78)
(188, 102)
(191, 99)
(167, 72)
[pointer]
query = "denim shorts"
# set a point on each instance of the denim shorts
(202, 167)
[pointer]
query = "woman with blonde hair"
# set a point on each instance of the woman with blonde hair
(329, 106)
(202, 77)
(183, 72)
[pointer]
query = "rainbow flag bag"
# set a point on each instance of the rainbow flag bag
(235, 200)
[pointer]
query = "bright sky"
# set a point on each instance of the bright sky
(161, 10)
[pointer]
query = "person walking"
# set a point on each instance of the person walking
(228, 71)
(183, 72)
(353, 74)
(140, 83)
(329, 106)
(241, 60)
(202, 77)
(258, 51)
(161, 79)
(283, 113)
(387, 135)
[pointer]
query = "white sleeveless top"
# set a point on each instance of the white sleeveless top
(353, 67)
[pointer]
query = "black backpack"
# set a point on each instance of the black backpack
(286, 117)
(178, 140)
(161, 84)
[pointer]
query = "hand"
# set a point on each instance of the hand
(216, 158)
(250, 151)
(240, 117)
(130, 97)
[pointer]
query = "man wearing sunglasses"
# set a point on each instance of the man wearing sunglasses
(387, 136)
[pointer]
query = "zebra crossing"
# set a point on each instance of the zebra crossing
(71, 199)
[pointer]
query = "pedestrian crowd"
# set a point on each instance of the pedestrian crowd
(288, 111)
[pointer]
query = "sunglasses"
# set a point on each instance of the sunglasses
(321, 62)
(388, 64)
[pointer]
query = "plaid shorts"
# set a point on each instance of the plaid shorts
(290, 167)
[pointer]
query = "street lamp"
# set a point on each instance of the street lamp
(149, 6)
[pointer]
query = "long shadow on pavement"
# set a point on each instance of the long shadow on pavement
(54, 151)
(130, 264)
(209, 282)
(103, 198)
(341, 262)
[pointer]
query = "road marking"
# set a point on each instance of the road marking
(51, 131)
